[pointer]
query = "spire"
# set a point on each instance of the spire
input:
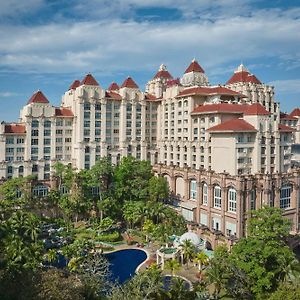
(194, 67)
(113, 86)
(38, 97)
(74, 85)
(129, 83)
(241, 68)
(89, 80)
(241, 74)
(163, 73)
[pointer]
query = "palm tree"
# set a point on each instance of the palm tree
(172, 265)
(188, 250)
(291, 271)
(202, 260)
(215, 276)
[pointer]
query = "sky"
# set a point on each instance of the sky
(46, 44)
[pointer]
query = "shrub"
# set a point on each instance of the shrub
(109, 237)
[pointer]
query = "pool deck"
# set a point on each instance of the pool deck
(189, 273)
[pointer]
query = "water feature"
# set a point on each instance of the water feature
(123, 263)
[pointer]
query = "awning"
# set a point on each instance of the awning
(188, 205)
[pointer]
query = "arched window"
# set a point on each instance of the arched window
(47, 123)
(285, 196)
(21, 169)
(35, 123)
(204, 194)
(217, 197)
(193, 189)
(231, 200)
(9, 170)
(179, 103)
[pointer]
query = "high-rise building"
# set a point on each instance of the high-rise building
(223, 149)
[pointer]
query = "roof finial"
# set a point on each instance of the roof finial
(162, 67)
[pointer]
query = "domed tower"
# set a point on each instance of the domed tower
(194, 75)
(157, 85)
(244, 82)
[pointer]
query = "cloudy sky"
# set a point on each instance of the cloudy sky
(46, 44)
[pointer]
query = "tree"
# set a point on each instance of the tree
(132, 212)
(268, 224)
(188, 250)
(19, 246)
(173, 265)
(158, 188)
(218, 272)
(286, 291)
(132, 179)
(58, 285)
(144, 285)
(202, 260)
(263, 256)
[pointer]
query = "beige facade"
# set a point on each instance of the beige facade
(216, 145)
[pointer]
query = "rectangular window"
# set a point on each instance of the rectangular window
(47, 132)
(285, 196)
(204, 194)
(34, 141)
(232, 200)
(34, 150)
(20, 140)
(59, 122)
(47, 150)
(47, 141)
(217, 197)
(9, 140)
(193, 189)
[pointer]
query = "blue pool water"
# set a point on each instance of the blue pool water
(123, 263)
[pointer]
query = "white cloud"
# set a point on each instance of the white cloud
(287, 86)
(124, 46)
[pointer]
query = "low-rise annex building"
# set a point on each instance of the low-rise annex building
(224, 149)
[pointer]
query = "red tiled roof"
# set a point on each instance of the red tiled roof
(288, 117)
(163, 74)
(243, 76)
(295, 112)
(129, 83)
(233, 125)
(220, 108)
(256, 109)
(113, 95)
(113, 86)
(206, 91)
(74, 85)
(284, 128)
(14, 128)
(63, 112)
(150, 97)
(89, 80)
(173, 82)
(194, 67)
(38, 97)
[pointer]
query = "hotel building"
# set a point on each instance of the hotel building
(224, 149)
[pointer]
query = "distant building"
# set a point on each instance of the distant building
(223, 149)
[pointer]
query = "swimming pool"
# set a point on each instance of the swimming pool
(123, 263)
